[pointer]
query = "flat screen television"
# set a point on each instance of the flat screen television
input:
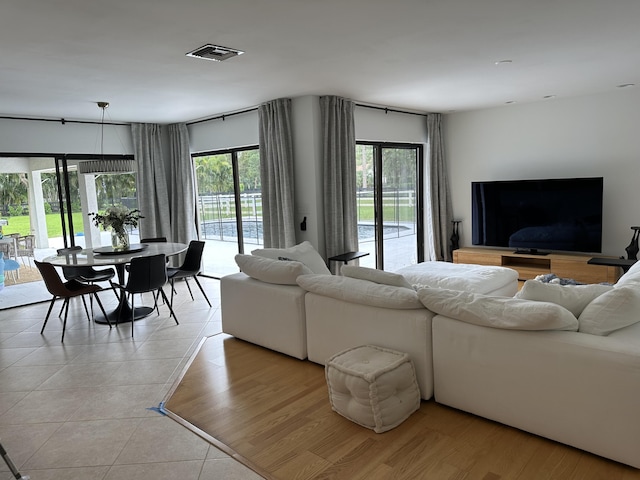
(538, 216)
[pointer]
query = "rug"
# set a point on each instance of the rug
(25, 274)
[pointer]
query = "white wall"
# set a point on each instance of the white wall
(236, 131)
(376, 125)
(597, 135)
(29, 136)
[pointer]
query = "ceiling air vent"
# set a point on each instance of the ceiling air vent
(214, 52)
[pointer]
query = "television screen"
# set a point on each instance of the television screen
(538, 215)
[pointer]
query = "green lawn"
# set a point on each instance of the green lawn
(20, 224)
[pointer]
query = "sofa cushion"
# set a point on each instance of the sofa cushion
(459, 276)
(572, 297)
(611, 311)
(499, 312)
(271, 271)
(361, 291)
(375, 275)
(303, 252)
(631, 277)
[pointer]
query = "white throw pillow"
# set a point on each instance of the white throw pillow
(611, 311)
(280, 272)
(375, 275)
(572, 297)
(361, 291)
(631, 277)
(303, 252)
(498, 312)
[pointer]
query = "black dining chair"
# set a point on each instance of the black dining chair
(66, 290)
(85, 274)
(190, 268)
(146, 274)
(152, 240)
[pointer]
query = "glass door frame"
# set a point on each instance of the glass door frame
(378, 148)
(64, 200)
(234, 154)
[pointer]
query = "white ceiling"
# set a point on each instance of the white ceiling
(58, 58)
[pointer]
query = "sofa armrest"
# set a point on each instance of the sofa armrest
(266, 314)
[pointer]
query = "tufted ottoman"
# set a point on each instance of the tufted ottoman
(373, 386)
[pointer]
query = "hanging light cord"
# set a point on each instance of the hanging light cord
(103, 106)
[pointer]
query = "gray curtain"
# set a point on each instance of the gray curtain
(339, 169)
(182, 189)
(276, 173)
(438, 196)
(153, 191)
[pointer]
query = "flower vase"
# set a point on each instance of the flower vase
(119, 239)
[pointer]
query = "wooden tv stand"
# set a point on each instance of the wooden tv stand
(529, 266)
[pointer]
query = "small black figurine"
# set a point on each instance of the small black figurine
(455, 238)
(632, 249)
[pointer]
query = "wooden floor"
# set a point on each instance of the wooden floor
(272, 413)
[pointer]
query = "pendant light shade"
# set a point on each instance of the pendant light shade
(107, 166)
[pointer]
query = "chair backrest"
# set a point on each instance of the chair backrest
(193, 258)
(68, 250)
(51, 279)
(154, 240)
(26, 244)
(147, 273)
(71, 273)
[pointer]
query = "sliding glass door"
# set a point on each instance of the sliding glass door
(80, 194)
(229, 206)
(389, 197)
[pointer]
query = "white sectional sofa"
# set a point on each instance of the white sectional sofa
(287, 300)
(561, 362)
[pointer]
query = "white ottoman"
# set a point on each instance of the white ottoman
(373, 386)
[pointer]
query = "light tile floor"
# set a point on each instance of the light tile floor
(80, 410)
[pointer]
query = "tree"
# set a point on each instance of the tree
(113, 188)
(14, 188)
(214, 174)
(249, 170)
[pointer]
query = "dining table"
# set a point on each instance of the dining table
(108, 256)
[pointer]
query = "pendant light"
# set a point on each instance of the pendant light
(102, 166)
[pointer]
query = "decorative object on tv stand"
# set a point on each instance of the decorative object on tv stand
(102, 166)
(632, 248)
(455, 237)
(117, 218)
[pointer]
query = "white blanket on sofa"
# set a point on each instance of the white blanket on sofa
(459, 276)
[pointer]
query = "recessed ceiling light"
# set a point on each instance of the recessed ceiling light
(503, 62)
(626, 85)
(214, 52)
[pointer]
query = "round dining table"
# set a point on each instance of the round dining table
(107, 256)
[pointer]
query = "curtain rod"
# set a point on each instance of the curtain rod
(62, 120)
(218, 117)
(387, 110)
(223, 116)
